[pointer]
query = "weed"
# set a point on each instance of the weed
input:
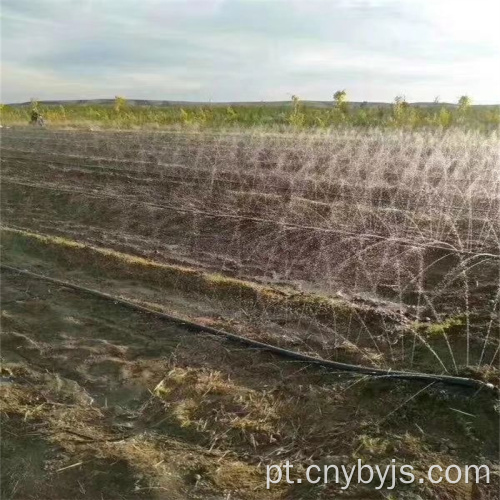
(124, 114)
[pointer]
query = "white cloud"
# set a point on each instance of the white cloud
(251, 49)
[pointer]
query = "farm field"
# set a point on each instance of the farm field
(123, 114)
(368, 247)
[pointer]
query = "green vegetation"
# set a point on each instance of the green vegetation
(464, 103)
(120, 104)
(340, 98)
(298, 114)
(451, 325)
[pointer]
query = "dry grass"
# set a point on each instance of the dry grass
(99, 403)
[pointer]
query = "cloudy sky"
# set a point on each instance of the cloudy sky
(238, 50)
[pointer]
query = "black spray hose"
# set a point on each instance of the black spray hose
(195, 327)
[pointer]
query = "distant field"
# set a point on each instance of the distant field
(125, 114)
(375, 246)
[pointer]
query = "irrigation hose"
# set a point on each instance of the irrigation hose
(334, 365)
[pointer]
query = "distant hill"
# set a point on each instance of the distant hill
(186, 104)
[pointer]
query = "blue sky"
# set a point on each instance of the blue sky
(239, 50)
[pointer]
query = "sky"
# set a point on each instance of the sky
(250, 50)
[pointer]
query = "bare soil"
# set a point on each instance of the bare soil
(102, 402)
